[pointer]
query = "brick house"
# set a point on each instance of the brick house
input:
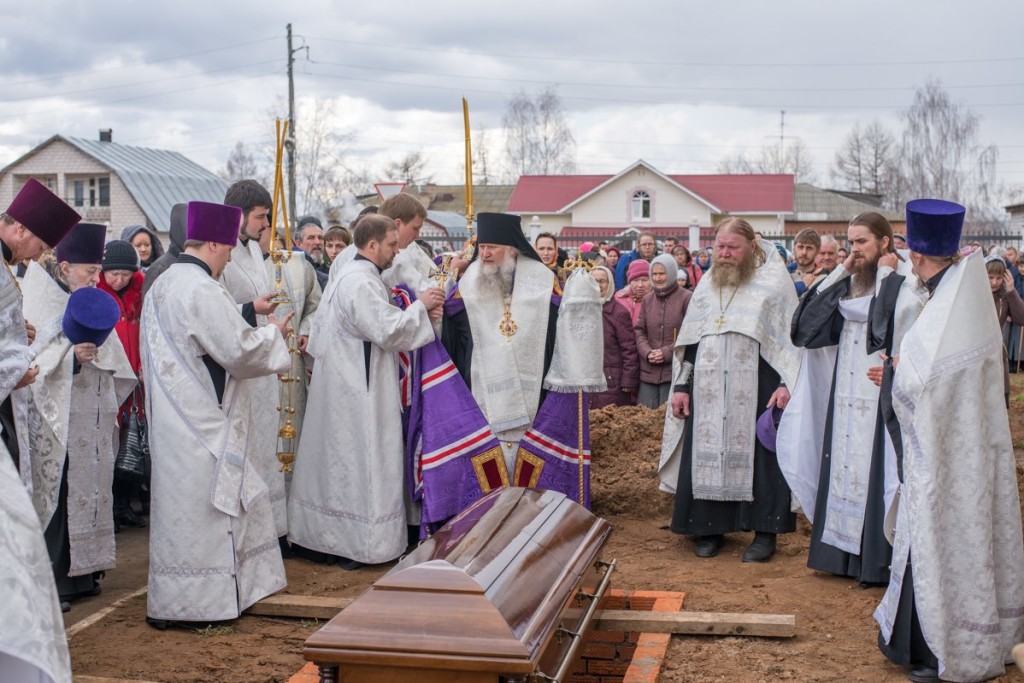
(118, 185)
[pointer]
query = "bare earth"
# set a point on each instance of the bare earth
(836, 636)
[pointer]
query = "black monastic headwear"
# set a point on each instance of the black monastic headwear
(505, 229)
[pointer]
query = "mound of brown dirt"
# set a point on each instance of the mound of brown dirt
(625, 445)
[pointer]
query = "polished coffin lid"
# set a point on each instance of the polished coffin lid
(485, 593)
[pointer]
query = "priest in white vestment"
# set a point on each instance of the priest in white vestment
(73, 413)
(33, 646)
(347, 500)
(955, 603)
(245, 277)
(735, 337)
(213, 547)
(832, 443)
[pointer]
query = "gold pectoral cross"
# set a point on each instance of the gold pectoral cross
(720, 321)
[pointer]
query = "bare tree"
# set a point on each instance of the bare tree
(941, 154)
(867, 161)
(794, 158)
(537, 136)
(481, 158)
(241, 164)
(411, 169)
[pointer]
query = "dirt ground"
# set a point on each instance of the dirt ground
(836, 636)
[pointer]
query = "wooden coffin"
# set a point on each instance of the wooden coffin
(481, 600)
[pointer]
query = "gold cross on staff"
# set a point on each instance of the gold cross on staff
(443, 272)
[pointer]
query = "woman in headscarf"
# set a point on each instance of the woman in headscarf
(123, 280)
(661, 314)
(146, 243)
(620, 357)
(638, 277)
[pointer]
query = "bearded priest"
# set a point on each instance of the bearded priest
(735, 338)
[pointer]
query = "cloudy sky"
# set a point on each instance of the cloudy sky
(680, 84)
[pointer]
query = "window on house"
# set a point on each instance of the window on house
(641, 205)
(79, 193)
(104, 184)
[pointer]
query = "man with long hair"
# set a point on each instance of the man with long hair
(735, 338)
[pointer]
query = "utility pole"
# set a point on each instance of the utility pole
(290, 142)
(781, 136)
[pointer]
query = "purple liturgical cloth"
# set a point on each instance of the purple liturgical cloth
(452, 455)
(549, 454)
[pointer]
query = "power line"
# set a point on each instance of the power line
(587, 60)
(136, 97)
(697, 88)
(146, 82)
(130, 66)
(580, 98)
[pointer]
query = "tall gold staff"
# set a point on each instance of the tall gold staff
(468, 251)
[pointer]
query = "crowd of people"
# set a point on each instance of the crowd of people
(862, 381)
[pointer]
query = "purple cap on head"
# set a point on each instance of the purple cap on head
(768, 427)
(45, 214)
(638, 268)
(84, 244)
(208, 222)
(90, 316)
(934, 226)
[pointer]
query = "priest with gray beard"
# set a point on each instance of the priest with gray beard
(735, 338)
(832, 445)
(499, 328)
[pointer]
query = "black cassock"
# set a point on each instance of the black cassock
(768, 512)
(818, 323)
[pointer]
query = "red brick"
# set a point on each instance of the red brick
(606, 636)
(603, 668)
(644, 604)
(599, 650)
(632, 637)
(581, 678)
(626, 652)
(614, 602)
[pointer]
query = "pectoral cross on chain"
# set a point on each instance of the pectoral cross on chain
(720, 321)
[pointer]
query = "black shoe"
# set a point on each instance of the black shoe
(158, 624)
(923, 674)
(761, 548)
(708, 546)
(65, 606)
(129, 519)
(349, 565)
(286, 549)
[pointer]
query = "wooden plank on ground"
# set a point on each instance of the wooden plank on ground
(96, 616)
(299, 606)
(100, 679)
(697, 623)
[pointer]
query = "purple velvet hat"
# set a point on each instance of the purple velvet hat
(43, 213)
(84, 244)
(934, 226)
(768, 427)
(209, 222)
(90, 316)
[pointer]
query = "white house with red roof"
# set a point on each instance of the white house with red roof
(586, 207)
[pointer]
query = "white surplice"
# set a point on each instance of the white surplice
(213, 547)
(347, 490)
(73, 418)
(33, 646)
(246, 279)
(959, 520)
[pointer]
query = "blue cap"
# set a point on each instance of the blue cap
(90, 316)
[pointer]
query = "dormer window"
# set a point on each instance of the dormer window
(641, 206)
